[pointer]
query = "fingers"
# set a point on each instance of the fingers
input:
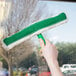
(41, 54)
(41, 43)
(42, 46)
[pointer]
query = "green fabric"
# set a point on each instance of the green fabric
(34, 28)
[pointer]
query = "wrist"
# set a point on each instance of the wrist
(52, 63)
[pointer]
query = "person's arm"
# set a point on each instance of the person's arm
(50, 54)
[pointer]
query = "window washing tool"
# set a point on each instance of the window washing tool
(34, 29)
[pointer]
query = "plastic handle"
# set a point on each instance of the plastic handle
(41, 36)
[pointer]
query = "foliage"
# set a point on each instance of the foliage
(4, 62)
(67, 53)
(29, 61)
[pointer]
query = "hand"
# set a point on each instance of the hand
(49, 51)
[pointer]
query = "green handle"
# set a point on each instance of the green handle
(41, 36)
